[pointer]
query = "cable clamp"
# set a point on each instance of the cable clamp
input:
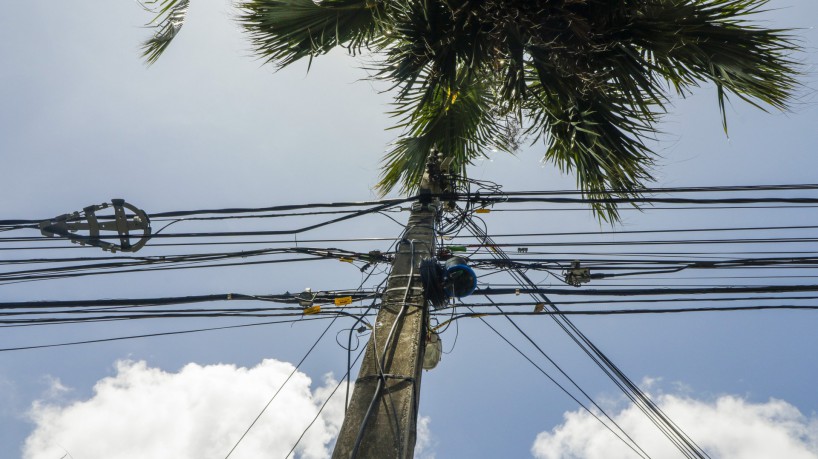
(386, 376)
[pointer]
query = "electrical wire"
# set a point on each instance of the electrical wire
(674, 434)
(267, 405)
(633, 446)
(150, 335)
(323, 405)
(381, 381)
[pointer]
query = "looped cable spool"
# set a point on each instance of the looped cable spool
(453, 280)
(431, 275)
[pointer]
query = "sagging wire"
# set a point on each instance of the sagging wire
(297, 366)
(634, 446)
(346, 376)
(359, 318)
(151, 335)
(672, 431)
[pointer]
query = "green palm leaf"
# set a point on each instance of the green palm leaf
(284, 31)
(591, 78)
(691, 42)
(168, 22)
(462, 125)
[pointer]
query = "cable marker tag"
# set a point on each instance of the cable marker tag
(342, 301)
(482, 210)
(346, 260)
(312, 310)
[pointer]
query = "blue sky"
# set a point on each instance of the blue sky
(82, 120)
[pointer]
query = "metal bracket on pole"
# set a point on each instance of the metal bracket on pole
(68, 225)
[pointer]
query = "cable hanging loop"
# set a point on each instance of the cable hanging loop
(68, 225)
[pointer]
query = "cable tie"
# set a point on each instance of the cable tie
(343, 301)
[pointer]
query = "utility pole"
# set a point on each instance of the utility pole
(381, 419)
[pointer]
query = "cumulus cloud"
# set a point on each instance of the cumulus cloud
(198, 412)
(424, 446)
(729, 427)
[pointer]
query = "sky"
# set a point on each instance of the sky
(82, 120)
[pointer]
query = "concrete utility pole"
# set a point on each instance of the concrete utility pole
(381, 420)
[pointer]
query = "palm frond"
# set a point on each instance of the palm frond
(284, 31)
(596, 131)
(462, 125)
(168, 22)
(590, 77)
(435, 46)
(693, 41)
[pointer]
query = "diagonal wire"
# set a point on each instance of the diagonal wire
(567, 392)
(281, 387)
(345, 377)
(672, 431)
(641, 451)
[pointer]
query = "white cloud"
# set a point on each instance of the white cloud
(424, 446)
(56, 389)
(729, 427)
(199, 412)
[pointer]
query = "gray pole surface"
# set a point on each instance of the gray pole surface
(391, 394)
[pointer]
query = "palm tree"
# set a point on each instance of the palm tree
(590, 78)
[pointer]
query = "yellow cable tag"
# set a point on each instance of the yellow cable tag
(312, 310)
(346, 260)
(342, 301)
(482, 211)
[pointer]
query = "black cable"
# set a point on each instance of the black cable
(663, 300)
(561, 387)
(650, 231)
(196, 244)
(586, 243)
(431, 275)
(678, 437)
(346, 376)
(381, 382)
(176, 262)
(297, 366)
(349, 345)
(242, 210)
(660, 208)
(280, 208)
(328, 296)
(150, 335)
(609, 312)
(651, 291)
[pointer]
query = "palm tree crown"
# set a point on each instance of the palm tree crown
(588, 77)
